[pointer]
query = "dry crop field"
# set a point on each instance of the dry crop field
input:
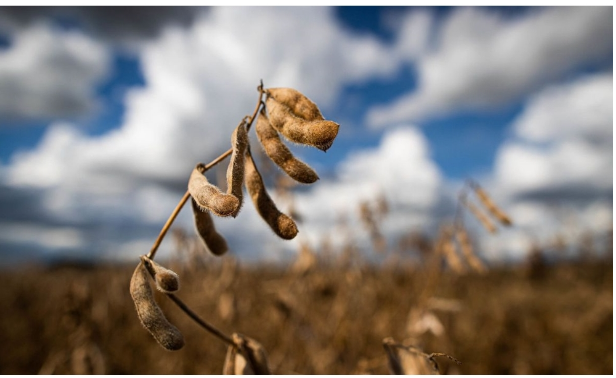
(327, 319)
(421, 305)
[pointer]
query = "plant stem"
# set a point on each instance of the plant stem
(248, 120)
(214, 162)
(167, 225)
(208, 327)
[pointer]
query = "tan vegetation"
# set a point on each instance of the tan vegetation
(326, 320)
(329, 311)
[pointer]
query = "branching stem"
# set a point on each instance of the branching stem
(248, 120)
(184, 199)
(208, 327)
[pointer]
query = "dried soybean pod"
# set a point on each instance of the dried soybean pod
(393, 360)
(281, 224)
(209, 197)
(235, 171)
(319, 133)
(150, 315)
(166, 280)
(253, 353)
(449, 251)
(490, 205)
(298, 103)
(467, 250)
(204, 224)
(280, 154)
(229, 366)
(480, 216)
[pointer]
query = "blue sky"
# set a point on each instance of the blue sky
(104, 111)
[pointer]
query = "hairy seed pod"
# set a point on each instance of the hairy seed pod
(319, 134)
(409, 360)
(150, 315)
(204, 224)
(481, 217)
(393, 360)
(467, 251)
(253, 354)
(209, 197)
(231, 360)
(450, 253)
(300, 105)
(280, 154)
(491, 206)
(235, 171)
(167, 280)
(281, 224)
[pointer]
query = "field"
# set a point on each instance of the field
(328, 319)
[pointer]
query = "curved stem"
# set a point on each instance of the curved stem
(248, 120)
(167, 225)
(208, 327)
(210, 165)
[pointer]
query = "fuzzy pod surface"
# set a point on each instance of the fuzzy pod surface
(319, 133)
(150, 315)
(280, 154)
(300, 105)
(280, 223)
(167, 281)
(253, 354)
(209, 197)
(204, 225)
(235, 171)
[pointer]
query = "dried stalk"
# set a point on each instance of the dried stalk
(248, 120)
(213, 163)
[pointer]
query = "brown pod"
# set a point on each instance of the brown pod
(281, 224)
(232, 361)
(409, 360)
(150, 315)
(449, 251)
(253, 354)
(481, 217)
(209, 197)
(166, 280)
(300, 105)
(280, 154)
(491, 206)
(467, 251)
(235, 171)
(319, 133)
(204, 225)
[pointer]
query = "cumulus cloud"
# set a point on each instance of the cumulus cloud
(563, 142)
(481, 60)
(113, 24)
(48, 73)
(555, 174)
(400, 169)
(200, 82)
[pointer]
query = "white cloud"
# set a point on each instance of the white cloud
(563, 142)
(581, 109)
(44, 236)
(555, 174)
(414, 33)
(200, 82)
(481, 60)
(48, 73)
(400, 168)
